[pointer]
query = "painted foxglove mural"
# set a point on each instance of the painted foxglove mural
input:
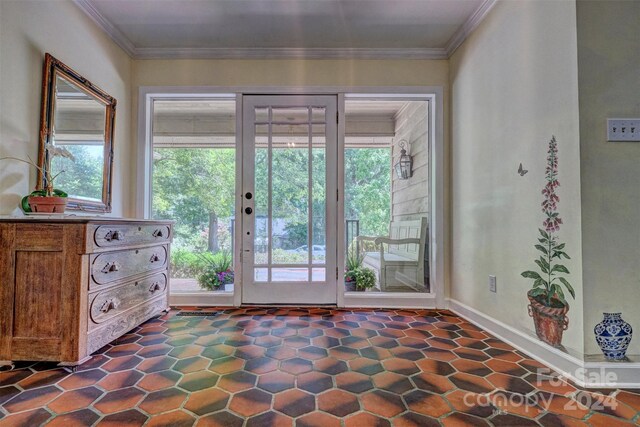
(547, 299)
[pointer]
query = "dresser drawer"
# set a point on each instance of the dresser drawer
(125, 235)
(120, 325)
(109, 267)
(107, 304)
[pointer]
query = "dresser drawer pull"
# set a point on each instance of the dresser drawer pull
(113, 235)
(110, 267)
(157, 233)
(155, 286)
(154, 258)
(108, 305)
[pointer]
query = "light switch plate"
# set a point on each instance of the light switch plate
(492, 284)
(623, 130)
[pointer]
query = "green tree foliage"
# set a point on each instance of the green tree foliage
(368, 189)
(83, 175)
(188, 185)
(191, 183)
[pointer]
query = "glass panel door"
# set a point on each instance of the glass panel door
(289, 202)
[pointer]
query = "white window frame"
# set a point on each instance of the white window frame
(437, 221)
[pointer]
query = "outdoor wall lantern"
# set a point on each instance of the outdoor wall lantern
(404, 166)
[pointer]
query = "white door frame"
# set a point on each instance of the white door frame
(304, 292)
(438, 224)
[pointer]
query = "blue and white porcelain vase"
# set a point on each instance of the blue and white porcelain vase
(613, 336)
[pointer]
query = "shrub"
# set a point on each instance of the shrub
(185, 263)
(365, 278)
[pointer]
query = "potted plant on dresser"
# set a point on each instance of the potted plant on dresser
(48, 199)
(547, 300)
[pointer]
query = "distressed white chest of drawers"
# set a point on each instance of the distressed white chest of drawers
(69, 286)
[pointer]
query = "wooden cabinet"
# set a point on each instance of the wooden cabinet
(69, 286)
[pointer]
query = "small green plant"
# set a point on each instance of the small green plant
(365, 278)
(354, 262)
(217, 270)
(355, 273)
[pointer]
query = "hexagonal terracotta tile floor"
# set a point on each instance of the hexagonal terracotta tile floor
(306, 367)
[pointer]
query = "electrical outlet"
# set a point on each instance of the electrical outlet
(623, 130)
(492, 284)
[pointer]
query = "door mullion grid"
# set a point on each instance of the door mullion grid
(310, 205)
(270, 194)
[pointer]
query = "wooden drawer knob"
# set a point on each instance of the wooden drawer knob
(110, 267)
(113, 235)
(108, 305)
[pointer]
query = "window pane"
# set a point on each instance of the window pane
(290, 197)
(290, 115)
(378, 203)
(290, 274)
(194, 184)
(318, 274)
(261, 197)
(319, 187)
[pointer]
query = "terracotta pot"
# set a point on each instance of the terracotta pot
(550, 322)
(44, 204)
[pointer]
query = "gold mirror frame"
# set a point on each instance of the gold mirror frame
(52, 68)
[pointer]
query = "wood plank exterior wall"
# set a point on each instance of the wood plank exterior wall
(410, 198)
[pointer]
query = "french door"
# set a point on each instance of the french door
(289, 199)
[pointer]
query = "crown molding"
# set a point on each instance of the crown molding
(116, 35)
(469, 26)
(286, 53)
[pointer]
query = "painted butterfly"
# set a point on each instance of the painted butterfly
(522, 171)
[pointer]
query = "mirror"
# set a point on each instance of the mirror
(78, 118)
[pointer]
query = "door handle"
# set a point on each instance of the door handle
(248, 211)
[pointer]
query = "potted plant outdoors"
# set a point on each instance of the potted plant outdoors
(356, 277)
(365, 278)
(354, 262)
(547, 303)
(48, 199)
(216, 270)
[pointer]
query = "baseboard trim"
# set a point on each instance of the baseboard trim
(583, 374)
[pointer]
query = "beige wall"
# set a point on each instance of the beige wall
(513, 85)
(289, 73)
(609, 82)
(28, 29)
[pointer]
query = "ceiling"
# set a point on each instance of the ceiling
(287, 28)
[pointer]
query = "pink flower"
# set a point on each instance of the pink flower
(552, 224)
(550, 202)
